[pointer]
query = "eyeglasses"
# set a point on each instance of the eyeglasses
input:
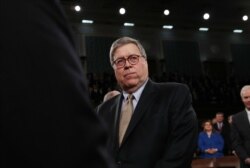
(121, 62)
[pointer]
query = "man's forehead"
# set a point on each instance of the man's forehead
(246, 93)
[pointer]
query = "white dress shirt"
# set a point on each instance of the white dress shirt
(136, 95)
(248, 115)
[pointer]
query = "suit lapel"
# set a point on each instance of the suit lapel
(245, 121)
(117, 120)
(140, 109)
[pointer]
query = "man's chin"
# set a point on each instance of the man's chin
(129, 86)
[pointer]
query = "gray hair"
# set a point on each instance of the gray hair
(110, 95)
(244, 88)
(123, 41)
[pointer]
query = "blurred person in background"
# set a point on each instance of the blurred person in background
(110, 94)
(222, 126)
(210, 142)
(229, 119)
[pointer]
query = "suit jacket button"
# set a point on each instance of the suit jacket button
(119, 163)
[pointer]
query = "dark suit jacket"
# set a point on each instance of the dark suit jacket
(46, 116)
(240, 134)
(225, 132)
(162, 132)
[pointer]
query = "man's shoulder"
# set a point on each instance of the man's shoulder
(171, 85)
(169, 89)
(239, 115)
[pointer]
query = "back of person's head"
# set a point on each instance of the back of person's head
(110, 94)
(229, 118)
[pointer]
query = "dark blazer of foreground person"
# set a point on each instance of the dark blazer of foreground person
(240, 129)
(46, 117)
(241, 136)
(162, 132)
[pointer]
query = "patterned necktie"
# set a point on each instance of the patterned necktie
(126, 114)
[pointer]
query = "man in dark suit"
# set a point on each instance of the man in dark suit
(223, 128)
(240, 129)
(46, 116)
(162, 131)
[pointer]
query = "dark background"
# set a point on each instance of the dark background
(214, 64)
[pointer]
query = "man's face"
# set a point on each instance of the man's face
(219, 117)
(245, 97)
(130, 77)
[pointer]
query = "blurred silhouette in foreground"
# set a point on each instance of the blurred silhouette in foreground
(46, 116)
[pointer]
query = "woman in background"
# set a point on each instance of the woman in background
(210, 142)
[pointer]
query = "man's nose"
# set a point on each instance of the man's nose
(127, 63)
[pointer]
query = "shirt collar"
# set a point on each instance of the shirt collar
(248, 112)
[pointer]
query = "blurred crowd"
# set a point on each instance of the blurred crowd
(204, 90)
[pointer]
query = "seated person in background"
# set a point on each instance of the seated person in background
(210, 142)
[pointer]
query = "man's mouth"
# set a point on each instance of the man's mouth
(128, 75)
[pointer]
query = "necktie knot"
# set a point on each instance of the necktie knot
(130, 99)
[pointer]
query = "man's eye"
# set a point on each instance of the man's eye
(119, 61)
(133, 58)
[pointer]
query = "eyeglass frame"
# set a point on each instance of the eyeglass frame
(127, 59)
